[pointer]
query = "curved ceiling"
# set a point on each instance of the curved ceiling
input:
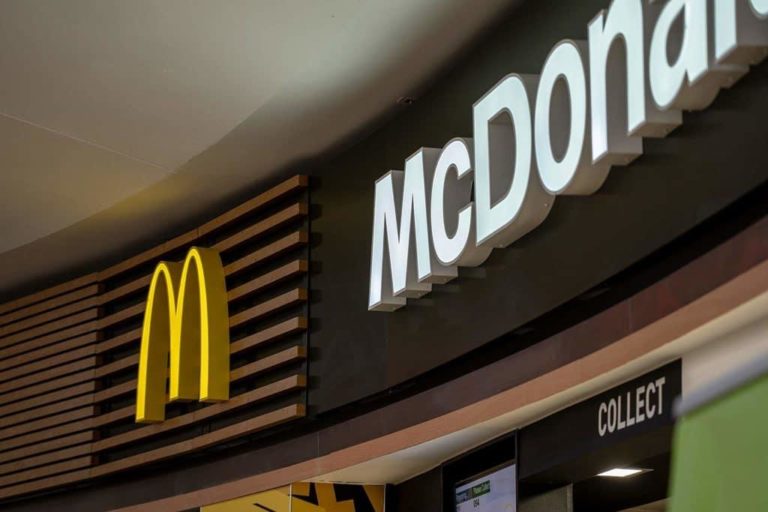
(121, 120)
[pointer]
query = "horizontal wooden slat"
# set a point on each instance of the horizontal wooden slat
(47, 422)
(114, 391)
(51, 446)
(293, 269)
(44, 435)
(45, 375)
(45, 483)
(51, 469)
(291, 298)
(286, 356)
(271, 419)
(204, 441)
(40, 412)
(278, 303)
(285, 328)
(280, 274)
(281, 358)
(277, 192)
(48, 339)
(47, 387)
(120, 316)
(290, 326)
(148, 255)
(290, 214)
(56, 349)
(45, 458)
(251, 397)
(54, 327)
(53, 397)
(36, 366)
(281, 246)
(119, 341)
(117, 366)
(287, 271)
(48, 293)
(126, 289)
(74, 302)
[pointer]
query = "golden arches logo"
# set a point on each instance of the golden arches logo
(186, 318)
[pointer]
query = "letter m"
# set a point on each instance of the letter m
(392, 283)
(186, 317)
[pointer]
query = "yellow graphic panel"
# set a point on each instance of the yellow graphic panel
(309, 497)
(185, 337)
(276, 500)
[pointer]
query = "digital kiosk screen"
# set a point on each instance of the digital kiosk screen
(493, 492)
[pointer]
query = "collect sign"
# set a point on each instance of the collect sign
(536, 137)
(631, 409)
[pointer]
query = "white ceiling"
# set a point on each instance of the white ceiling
(120, 117)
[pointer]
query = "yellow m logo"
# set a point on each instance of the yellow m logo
(186, 315)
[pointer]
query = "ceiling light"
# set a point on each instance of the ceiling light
(622, 472)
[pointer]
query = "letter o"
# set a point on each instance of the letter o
(565, 62)
(760, 7)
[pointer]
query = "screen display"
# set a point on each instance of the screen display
(494, 492)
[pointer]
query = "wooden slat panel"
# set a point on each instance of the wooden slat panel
(47, 422)
(119, 341)
(204, 441)
(277, 360)
(126, 289)
(290, 214)
(114, 391)
(52, 397)
(14, 336)
(51, 469)
(285, 328)
(48, 446)
(291, 298)
(280, 302)
(84, 298)
(280, 191)
(47, 293)
(287, 271)
(46, 387)
(31, 414)
(122, 315)
(44, 435)
(45, 375)
(50, 327)
(40, 365)
(48, 339)
(45, 458)
(286, 356)
(251, 397)
(117, 366)
(45, 483)
(148, 255)
(50, 350)
(285, 244)
(271, 419)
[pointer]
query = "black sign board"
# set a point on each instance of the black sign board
(631, 409)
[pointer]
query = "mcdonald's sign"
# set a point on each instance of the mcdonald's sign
(185, 337)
